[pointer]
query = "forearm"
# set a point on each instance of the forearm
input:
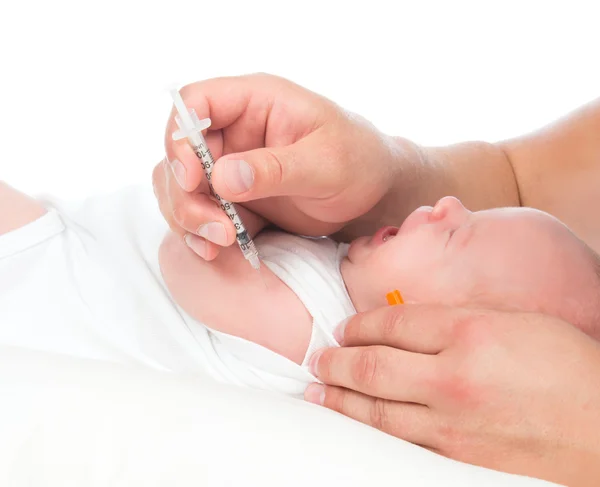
(558, 170)
(555, 169)
(478, 173)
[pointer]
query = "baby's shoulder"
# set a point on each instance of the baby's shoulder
(17, 209)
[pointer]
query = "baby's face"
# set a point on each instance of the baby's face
(511, 258)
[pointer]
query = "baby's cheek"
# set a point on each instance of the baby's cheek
(383, 275)
(427, 282)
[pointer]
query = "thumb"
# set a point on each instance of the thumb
(297, 169)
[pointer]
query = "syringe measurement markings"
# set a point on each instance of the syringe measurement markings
(207, 161)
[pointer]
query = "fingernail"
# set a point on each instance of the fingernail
(178, 171)
(197, 244)
(239, 176)
(339, 331)
(315, 393)
(314, 362)
(213, 231)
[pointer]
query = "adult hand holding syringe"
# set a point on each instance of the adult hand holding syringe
(190, 127)
(286, 153)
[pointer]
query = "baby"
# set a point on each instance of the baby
(511, 259)
(86, 279)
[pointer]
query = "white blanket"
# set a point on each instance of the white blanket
(68, 421)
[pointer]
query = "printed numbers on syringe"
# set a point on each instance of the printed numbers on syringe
(225, 205)
(206, 160)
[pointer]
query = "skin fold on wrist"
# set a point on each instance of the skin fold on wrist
(478, 173)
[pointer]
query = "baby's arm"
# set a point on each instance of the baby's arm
(17, 209)
(228, 295)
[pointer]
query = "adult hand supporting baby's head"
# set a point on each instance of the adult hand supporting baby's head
(288, 154)
(516, 392)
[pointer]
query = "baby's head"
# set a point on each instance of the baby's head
(511, 259)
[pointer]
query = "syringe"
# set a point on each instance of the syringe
(191, 127)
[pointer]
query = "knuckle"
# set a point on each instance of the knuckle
(325, 365)
(463, 325)
(379, 414)
(455, 384)
(355, 329)
(335, 399)
(178, 215)
(158, 175)
(393, 321)
(262, 75)
(365, 367)
(182, 215)
(472, 329)
(273, 172)
(459, 386)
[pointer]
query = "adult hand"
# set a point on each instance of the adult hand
(509, 391)
(291, 155)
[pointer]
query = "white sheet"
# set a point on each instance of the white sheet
(67, 421)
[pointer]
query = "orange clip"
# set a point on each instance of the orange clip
(394, 298)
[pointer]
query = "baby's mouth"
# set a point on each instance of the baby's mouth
(390, 232)
(384, 234)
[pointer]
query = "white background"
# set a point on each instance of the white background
(83, 98)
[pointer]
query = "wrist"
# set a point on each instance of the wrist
(413, 176)
(480, 174)
(401, 165)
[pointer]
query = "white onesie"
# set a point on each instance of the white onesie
(84, 280)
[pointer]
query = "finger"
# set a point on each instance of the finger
(198, 214)
(285, 214)
(223, 100)
(416, 328)
(411, 422)
(201, 215)
(202, 247)
(185, 163)
(159, 185)
(305, 168)
(378, 371)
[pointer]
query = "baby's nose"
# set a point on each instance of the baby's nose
(448, 207)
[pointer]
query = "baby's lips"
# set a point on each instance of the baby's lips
(383, 234)
(417, 218)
